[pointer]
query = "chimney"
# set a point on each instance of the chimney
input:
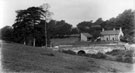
(114, 29)
(103, 29)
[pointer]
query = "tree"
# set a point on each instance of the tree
(99, 21)
(51, 29)
(27, 21)
(84, 26)
(75, 31)
(7, 33)
(62, 29)
(90, 27)
(125, 20)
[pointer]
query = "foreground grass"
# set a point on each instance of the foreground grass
(21, 58)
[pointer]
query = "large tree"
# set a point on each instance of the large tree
(91, 27)
(126, 21)
(62, 29)
(27, 21)
(74, 30)
(85, 26)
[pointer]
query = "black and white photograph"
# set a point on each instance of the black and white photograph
(67, 36)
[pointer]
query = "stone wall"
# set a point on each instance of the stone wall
(93, 49)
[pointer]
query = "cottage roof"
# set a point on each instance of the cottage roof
(87, 34)
(110, 32)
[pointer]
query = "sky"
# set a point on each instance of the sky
(72, 11)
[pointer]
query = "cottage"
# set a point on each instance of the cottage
(85, 37)
(111, 35)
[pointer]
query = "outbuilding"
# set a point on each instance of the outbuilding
(85, 37)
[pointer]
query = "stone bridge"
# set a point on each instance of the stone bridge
(92, 49)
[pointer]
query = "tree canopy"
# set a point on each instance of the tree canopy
(125, 20)
(6, 33)
(27, 25)
(30, 24)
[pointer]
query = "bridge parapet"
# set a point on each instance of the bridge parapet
(93, 49)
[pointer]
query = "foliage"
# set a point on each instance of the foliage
(125, 20)
(91, 27)
(6, 33)
(98, 55)
(69, 52)
(122, 55)
(58, 29)
(114, 52)
(62, 29)
(74, 31)
(28, 28)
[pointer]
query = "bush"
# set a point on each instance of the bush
(98, 55)
(119, 58)
(128, 60)
(126, 56)
(114, 52)
(101, 55)
(124, 59)
(69, 52)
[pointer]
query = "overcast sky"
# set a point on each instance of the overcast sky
(72, 11)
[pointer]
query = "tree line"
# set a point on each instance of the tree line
(125, 20)
(30, 25)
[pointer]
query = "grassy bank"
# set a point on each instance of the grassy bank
(21, 58)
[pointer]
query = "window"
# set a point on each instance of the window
(113, 38)
(107, 39)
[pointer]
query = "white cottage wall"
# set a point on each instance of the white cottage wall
(83, 38)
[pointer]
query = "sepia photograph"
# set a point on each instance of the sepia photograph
(67, 36)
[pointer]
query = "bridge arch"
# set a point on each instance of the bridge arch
(81, 52)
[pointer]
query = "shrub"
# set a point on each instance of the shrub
(114, 52)
(125, 58)
(99, 55)
(128, 60)
(119, 58)
(69, 52)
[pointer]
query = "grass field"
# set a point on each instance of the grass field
(65, 41)
(21, 58)
(76, 42)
